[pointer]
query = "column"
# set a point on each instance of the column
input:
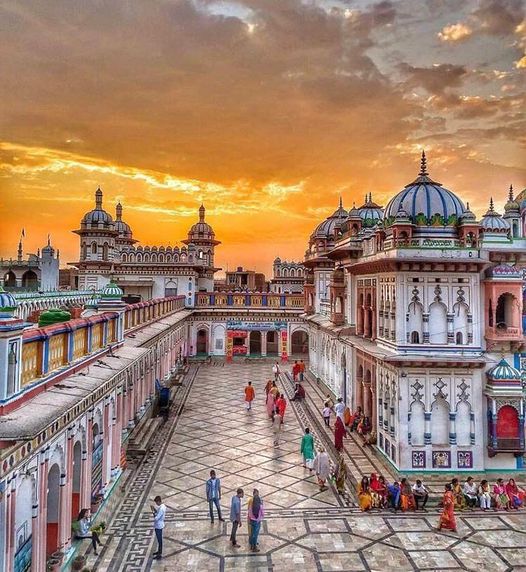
(247, 342)
(85, 475)
(62, 508)
(367, 399)
(65, 515)
(106, 445)
(452, 429)
(38, 522)
(366, 321)
(10, 524)
(425, 333)
(427, 430)
(264, 343)
(450, 331)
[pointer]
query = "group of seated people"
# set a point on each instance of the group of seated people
(376, 492)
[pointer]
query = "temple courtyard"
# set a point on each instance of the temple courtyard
(304, 529)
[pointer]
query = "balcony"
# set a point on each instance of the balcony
(509, 445)
(503, 333)
(250, 300)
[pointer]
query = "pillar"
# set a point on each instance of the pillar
(65, 514)
(264, 343)
(452, 429)
(427, 430)
(38, 522)
(366, 398)
(366, 324)
(85, 475)
(10, 524)
(284, 346)
(247, 342)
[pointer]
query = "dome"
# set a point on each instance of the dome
(370, 212)
(493, 221)
(201, 229)
(426, 202)
(121, 227)
(331, 225)
(511, 208)
(112, 291)
(8, 302)
(97, 215)
(468, 215)
(503, 371)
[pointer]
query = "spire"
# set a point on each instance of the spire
(510, 195)
(202, 213)
(19, 257)
(423, 164)
(118, 211)
(341, 202)
(491, 204)
(48, 240)
(98, 199)
(370, 197)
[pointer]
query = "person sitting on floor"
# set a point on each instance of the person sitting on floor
(407, 500)
(393, 495)
(299, 393)
(470, 493)
(421, 494)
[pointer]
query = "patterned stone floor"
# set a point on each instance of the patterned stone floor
(304, 530)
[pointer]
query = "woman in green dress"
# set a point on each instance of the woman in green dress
(307, 449)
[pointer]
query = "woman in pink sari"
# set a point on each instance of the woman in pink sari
(502, 500)
(271, 400)
(447, 518)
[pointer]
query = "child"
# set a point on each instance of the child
(327, 414)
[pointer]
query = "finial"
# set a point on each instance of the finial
(510, 196)
(365, 199)
(98, 198)
(202, 213)
(370, 197)
(118, 211)
(467, 206)
(48, 240)
(423, 164)
(341, 202)
(491, 204)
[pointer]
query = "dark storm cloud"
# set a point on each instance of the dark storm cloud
(436, 79)
(499, 17)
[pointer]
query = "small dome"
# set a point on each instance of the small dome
(330, 227)
(98, 215)
(503, 371)
(8, 302)
(121, 227)
(427, 202)
(511, 208)
(112, 291)
(493, 221)
(201, 229)
(354, 212)
(468, 215)
(370, 212)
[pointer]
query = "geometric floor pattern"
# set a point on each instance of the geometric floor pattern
(304, 529)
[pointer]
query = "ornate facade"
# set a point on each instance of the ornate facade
(410, 309)
(288, 277)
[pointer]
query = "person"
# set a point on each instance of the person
(307, 449)
(469, 491)
(235, 515)
(159, 512)
(347, 418)
(327, 415)
(322, 468)
(281, 405)
(341, 475)
(379, 486)
(339, 408)
(250, 394)
(458, 495)
(499, 494)
(299, 392)
(393, 495)
(271, 400)
(356, 419)
(276, 371)
(83, 529)
(268, 386)
(407, 500)
(295, 371)
(484, 495)
(276, 426)
(255, 514)
(328, 401)
(302, 370)
(373, 486)
(339, 433)
(420, 494)
(365, 499)
(447, 518)
(515, 494)
(364, 428)
(213, 495)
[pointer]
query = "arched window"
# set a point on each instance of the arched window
(415, 337)
(504, 313)
(440, 422)
(459, 339)
(415, 321)
(93, 248)
(417, 423)
(437, 323)
(105, 251)
(463, 424)
(460, 323)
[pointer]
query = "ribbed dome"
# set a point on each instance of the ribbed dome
(121, 227)
(98, 215)
(493, 221)
(426, 202)
(201, 229)
(370, 212)
(7, 301)
(503, 371)
(468, 215)
(330, 227)
(112, 291)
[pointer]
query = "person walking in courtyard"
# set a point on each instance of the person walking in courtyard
(213, 495)
(159, 513)
(295, 371)
(276, 371)
(255, 514)
(341, 475)
(235, 516)
(268, 386)
(302, 370)
(276, 427)
(250, 394)
(447, 518)
(322, 468)
(339, 434)
(327, 415)
(339, 408)
(307, 449)
(271, 400)
(281, 405)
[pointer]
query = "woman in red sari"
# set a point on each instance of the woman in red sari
(515, 494)
(339, 433)
(447, 518)
(378, 490)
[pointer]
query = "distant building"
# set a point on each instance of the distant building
(288, 277)
(38, 272)
(241, 280)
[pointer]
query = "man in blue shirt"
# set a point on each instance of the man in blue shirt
(235, 516)
(213, 495)
(393, 495)
(159, 512)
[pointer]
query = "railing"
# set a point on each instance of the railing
(249, 300)
(34, 295)
(504, 333)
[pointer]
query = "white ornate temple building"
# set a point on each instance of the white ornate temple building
(108, 250)
(288, 276)
(415, 314)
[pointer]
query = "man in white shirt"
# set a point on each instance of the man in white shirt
(339, 408)
(159, 512)
(420, 493)
(470, 492)
(276, 371)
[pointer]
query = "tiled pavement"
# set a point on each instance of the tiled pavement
(304, 530)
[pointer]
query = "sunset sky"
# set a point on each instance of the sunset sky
(265, 110)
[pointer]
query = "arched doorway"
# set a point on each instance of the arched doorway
(30, 280)
(53, 496)
(504, 311)
(299, 342)
(77, 473)
(255, 342)
(272, 342)
(202, 342)
(96, 464)
(10, 280)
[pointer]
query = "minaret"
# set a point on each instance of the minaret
(20, 252)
